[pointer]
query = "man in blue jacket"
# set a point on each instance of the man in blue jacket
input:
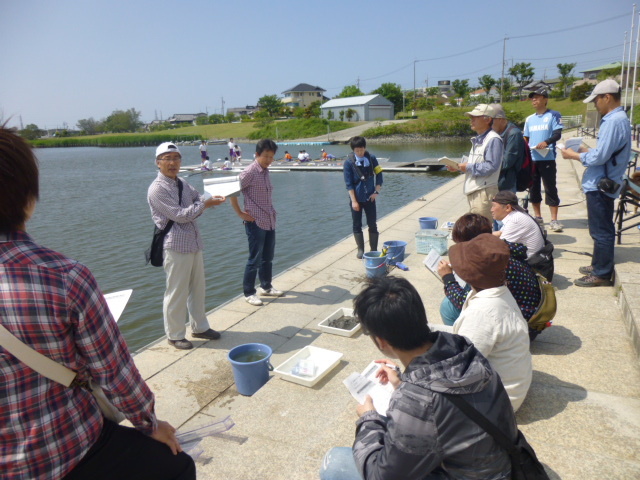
(601, 181)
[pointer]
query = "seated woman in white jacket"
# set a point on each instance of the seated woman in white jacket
(490, 317)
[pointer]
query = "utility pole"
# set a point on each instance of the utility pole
(222, 99)
(624, 52)
(504, 50)
(626, 83)
(635, 70)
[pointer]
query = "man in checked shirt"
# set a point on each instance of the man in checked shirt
(259, 219)
(171, 198)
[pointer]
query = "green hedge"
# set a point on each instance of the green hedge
(130, 140)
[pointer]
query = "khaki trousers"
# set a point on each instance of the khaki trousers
(480, 201)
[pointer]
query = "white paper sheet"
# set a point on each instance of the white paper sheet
(223, 187)
(431, 262)
(116, 302)
(448, 162)
(573, 143)
(362, 384)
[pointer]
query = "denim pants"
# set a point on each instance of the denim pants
(262, 245)
(602, 231)
(370, 212)
(338, 464)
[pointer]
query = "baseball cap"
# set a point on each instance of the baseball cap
(498, 111)
(541, 91)
(605, 86)
(507, 197)
(165, 148)
(481, 110)
(481, 262)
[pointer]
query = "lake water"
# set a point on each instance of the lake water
(93, 208)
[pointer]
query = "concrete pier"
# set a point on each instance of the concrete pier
(582, 413)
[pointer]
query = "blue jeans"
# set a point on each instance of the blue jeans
(602, 231)
(262, 245)
(338, 464)
(448, 312)
(370, 211)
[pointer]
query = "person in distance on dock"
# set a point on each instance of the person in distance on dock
(172, 198)
(259, 218)
(422, 435)
(513, 142)
(363, 178)
(482, 169)
(53, 304)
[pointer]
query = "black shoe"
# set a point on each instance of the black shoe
(183, 344)
(209, 334)
(586, 270)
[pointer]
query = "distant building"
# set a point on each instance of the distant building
(184, 118)
(444, 86)
(481, 92)
(592, 73)
(303, 95)
(366, 108)
(247, 110)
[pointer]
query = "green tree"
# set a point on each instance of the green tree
(31, 132)
(313, 110)
(487, 82)
(123, 121)
(432, 91)
(202, 120)
(580, 92)
(461, 87)
(230, 117)
(393, 93)
(298, 112)
(89, 126)
(566, 76)
(350, 91)
(216, 118)
(523, 73)
(505, 88)
(341, 115)
(270, 104)
(350, 113)
(609, 73)
(330, 115)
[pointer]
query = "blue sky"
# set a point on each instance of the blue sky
(66, 60)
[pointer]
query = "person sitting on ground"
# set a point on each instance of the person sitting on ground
(490, 316)
(517, 225)
(287, 156)
(324, 154)
(227, 164)
(208, 165)
(423, 435)
(307, 157)
(53, 304)
(301, 156)
(520, 277)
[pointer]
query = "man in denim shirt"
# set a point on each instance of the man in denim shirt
(607, 161)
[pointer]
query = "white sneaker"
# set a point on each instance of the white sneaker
(271, 292)
(253, 300)
(555, 226)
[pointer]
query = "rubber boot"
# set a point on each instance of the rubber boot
(360, 243)
(373, 241)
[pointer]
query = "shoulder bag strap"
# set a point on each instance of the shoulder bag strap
(35, 360)
(170, 222)
(483, 422)
(613, 159)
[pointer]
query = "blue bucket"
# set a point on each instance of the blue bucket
(375, 265)
(395, 251)
(428, 223)
(250, 363)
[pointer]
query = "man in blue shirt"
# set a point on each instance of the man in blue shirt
(608, 161)
(542, 130)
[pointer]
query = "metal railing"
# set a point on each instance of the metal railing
(570, 121)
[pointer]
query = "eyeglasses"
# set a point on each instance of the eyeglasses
(176, 158)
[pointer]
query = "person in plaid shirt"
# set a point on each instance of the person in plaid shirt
(259, 219)
(53, 304)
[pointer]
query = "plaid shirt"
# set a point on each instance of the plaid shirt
(256, 188)
(184, 236)
(53, 304)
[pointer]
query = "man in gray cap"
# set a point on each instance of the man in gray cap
(173, 200)
(601, 181)
(541, 131)
(482, 169)
(513, 142)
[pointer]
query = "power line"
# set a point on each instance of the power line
(571, 28)
(574, 55)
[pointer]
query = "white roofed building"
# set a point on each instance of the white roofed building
(365, 108)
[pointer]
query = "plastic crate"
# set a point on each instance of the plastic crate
(426, 240)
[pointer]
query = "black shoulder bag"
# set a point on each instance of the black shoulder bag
(524, 462)
(155, 253)
(542, 260)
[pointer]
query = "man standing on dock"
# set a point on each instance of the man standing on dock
(173, 200)
(259, 218)
(513, 149)
(601, 181)
(541, 131)
(482, 169)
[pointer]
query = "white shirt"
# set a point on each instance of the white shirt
(208, 164)
(230, 145)
(203, 147)
(519, 227)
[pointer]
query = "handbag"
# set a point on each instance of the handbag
(155, 253)
(56, 372)
(547, 307)
(524, 462)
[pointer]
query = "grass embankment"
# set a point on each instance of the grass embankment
(298, 128)
(452, 121)
(113, 140)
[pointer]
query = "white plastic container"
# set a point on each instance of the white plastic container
(324, 361)
(341, 312)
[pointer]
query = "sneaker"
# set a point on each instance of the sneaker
(586, 270)
(181, 344)
(270, 292)
(253, 300)
(539, 220)
(209, 334)
(555, 226)
(592, 281)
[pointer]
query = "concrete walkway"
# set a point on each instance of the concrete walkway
(582, 413)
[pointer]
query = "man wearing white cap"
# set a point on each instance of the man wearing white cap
(482, 170)
(173, 200)
(601, 181)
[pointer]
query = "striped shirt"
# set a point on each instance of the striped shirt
(256, 189)
(53, 304)
(184, 236)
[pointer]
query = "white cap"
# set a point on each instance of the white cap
(166, 147)
(605, 86)
(482, 110)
